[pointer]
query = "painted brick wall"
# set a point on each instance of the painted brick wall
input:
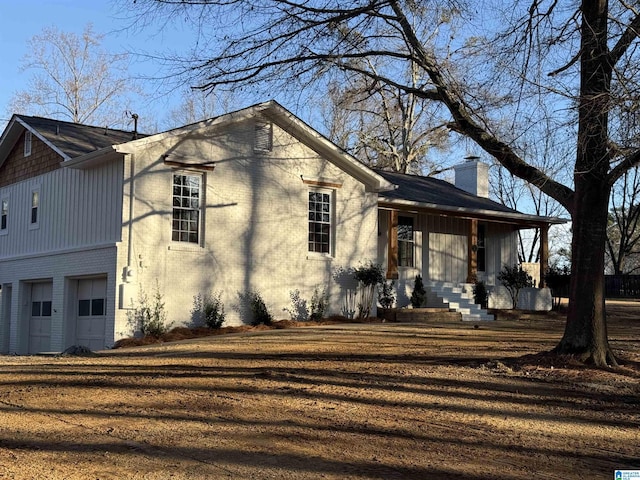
(17, 167)
(256, 225)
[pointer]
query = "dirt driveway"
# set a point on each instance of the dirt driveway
(374, 401)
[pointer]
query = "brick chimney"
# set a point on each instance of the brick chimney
(472, 176)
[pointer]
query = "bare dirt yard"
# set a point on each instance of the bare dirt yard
(344, 401)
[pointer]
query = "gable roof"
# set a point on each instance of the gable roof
(68, 139)
(427, 193)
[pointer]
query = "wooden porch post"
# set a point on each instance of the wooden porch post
(472, 251)
(544, 252)
(392, 246)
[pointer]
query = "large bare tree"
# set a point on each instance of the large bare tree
(73, 78)
(484, 64)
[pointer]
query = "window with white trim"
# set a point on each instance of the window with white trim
(406, 242)
(4, 214)
(187, 204)
(320, 221)
(482, 248)
(27, 143)
(35, 208)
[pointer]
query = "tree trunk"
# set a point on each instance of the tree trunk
(586, 329)
(585, 334)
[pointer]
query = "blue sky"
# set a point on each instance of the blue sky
(21, 20)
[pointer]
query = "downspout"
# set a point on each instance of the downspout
(129, 273)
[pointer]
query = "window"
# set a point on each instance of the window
(482, 251)
(41, 309)
(93, 307)
(4, 213)
(320, 222)
(35, 204)
(263, 137)
(27, 143)
(405, 242)
(185, 225)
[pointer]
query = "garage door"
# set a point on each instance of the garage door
(91, 319)
(40, 319)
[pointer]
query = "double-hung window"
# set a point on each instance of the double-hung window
(27, 143)
(34, 212)
(482, 250)
(4, 214)
(320, 219)
(187, 204)
(405, 242)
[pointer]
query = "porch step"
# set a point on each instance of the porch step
(458, 298)
(420, 315)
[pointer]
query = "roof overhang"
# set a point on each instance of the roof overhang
(93, 159)
(522, 220)
(11, 134)
(279, 115)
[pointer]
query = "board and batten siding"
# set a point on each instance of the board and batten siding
(77, 208)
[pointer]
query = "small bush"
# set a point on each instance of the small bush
(419, 294)
(149, 316)
(368, 277)
(387, 295)
(319, 304)
(299, 310)
(480, 294)
(208, 310)
(253, 304)
(514, 279)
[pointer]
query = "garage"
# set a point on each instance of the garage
(40, 318)
(91, 313)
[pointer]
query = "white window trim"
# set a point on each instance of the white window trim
(28, 143)
(413, 241)
(5, 231)
(182, 245)
(332, 224)
(35, 225)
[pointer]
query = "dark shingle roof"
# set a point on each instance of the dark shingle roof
(431, 191)
(74, 139)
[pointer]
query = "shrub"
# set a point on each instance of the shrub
(368, 277)
(319, 303)
(480, 294)
(208, 310)
(419, 295)
(149, 316)
(514, 279)
(251, 303)
(387, 295)
(299, 309)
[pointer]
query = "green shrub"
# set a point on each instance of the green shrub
(480, 294)
(319, 304)
(368, 277)
(252, 304)
(419, 295)
(299, 310)
(208, 310)
(149, 316)
(514, 279)
(387, 295)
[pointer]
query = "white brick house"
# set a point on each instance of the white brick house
(251, 200)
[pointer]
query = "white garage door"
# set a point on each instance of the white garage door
(91, 319)
(40, 319)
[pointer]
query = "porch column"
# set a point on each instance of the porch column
(392, 246)
(544, 253)
(472, 252)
